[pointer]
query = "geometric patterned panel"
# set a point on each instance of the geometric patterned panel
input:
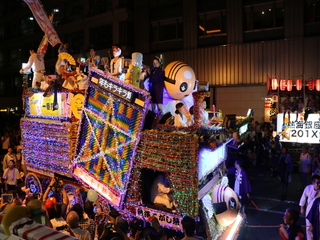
(109, 132)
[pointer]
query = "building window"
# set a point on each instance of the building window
(264, 16)
(212, 23)
(27, 25)
(99, 6)
(74, 10)
(126, 31)
(75, 41)
(312, 11)
(101, 37)
(165, 30)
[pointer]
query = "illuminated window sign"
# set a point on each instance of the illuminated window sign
(293, 129)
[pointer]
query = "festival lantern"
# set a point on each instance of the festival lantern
(274, 84)
(299, 84)
(289, 85)
(311, 84)
(283, 84)
(318, 84)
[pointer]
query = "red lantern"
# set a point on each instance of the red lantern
(289, 85)
(299, 84)
(283, 84)
(311, 84)
(274, 84)
(318, 84)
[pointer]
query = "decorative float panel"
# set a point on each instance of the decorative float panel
(111, 124)
(175, 155)
(48, 145)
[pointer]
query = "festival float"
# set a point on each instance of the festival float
(105, 137)
(101, 139)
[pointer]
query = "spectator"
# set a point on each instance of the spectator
(7, 158)
(11, 176)
(309, 194)
(293, 231)
(19, 157)
(58, 222)
(285, 169)
(73, 222)
(136, 227)
(312, 106)
(87, 221)
(314, 216)
(55, 190)
(5, 140)
(305, 167)
(38, 212)
(189, 227)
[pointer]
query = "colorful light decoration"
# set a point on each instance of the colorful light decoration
(318, 84)
(311, 84)
(110, 131)
(274, 84)
(42, 139)
(289, 85)
(299, 84)
(283, 84)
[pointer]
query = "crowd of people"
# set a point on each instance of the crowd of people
(89, 221)
(297, 105)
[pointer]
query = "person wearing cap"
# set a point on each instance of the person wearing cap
(117, 64)
(36, 63)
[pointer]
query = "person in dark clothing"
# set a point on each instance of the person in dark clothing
(156, 86)
(293, 231)
(285, 169)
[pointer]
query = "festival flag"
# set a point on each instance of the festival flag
(43, 46)
(43, 21)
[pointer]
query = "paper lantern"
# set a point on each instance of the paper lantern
(318, 84)
(274, 84)
(283, 84)
(311, 84)
(299, 84)
(289, 85)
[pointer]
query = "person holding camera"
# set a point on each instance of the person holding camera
(55, 190)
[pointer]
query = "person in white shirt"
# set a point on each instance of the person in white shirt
(180, 118)
(36, 63)
(309, 194)
(73, 221)
(7, 158)
(117, 64)
(305, 167)
(161, 192)
(11, 176)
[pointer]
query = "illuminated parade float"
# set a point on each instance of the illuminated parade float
(109, 147)
(105, 136)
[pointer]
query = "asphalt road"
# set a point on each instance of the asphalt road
(261, 223)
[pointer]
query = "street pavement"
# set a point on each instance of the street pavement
(261, 223)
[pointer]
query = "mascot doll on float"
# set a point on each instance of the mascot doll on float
(180, 82)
